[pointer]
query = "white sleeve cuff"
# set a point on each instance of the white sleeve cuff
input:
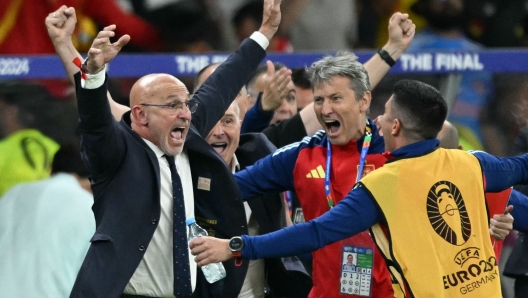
(260, 39)
(94, 81)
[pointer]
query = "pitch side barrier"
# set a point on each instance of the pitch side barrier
(181, 65)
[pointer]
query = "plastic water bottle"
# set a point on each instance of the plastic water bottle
(212, 272)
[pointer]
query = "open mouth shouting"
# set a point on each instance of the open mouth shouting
(219, 147)
(177, 133)
(333, 127)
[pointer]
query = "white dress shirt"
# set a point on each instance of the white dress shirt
(154, 276)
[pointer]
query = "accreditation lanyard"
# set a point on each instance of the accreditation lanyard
(363, 157)
(289, 200)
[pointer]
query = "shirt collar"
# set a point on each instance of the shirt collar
(416, 149)
(154, 148)
(235, 166)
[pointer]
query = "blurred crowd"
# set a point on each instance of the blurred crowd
(483, 110)
(219, 25)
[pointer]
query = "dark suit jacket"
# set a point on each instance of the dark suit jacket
(268, 210)
(125, 181)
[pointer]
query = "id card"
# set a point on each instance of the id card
(298, 216)
(356, 271)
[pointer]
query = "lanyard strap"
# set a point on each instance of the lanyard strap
(363, 157)
(364, 150)
(327, 176)
(289, 200)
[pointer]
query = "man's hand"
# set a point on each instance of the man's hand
(271, 18)
(501, 224)
(103, 51)
(61, 24)
(401, 33)
(210, 250)
(276, 87)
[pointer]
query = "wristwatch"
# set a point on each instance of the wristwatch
(235, 245)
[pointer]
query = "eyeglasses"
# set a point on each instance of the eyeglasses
(192, 105)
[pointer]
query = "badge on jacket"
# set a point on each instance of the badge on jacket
(204, 183)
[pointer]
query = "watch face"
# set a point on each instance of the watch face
(236, 244)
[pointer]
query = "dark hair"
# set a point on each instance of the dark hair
(68, 160)
(420, 107)
(252, 9)
(198, 76)
(301, 78)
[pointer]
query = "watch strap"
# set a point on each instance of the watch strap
(386, 57)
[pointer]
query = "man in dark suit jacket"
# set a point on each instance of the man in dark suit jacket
(240, 151)
(127, 170)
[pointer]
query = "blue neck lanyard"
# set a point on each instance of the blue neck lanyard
(363, 157)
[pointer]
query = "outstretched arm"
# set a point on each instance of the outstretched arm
(332, 226)
(502, 172)
(271, 174)
(60, 25)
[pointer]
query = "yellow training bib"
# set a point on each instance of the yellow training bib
(436, 238)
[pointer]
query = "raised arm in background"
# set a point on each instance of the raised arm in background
(60, 25)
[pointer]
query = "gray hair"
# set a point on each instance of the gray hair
(343, 64)
(235, 106)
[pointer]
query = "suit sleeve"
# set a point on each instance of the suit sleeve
(357, 208)
(222, 87)
(102, 142)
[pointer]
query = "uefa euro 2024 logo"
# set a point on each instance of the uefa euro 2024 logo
(447, 213)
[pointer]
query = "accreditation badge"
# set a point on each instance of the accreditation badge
(356, 271)
(298, 216)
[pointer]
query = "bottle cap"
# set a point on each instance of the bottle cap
(189, 221)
